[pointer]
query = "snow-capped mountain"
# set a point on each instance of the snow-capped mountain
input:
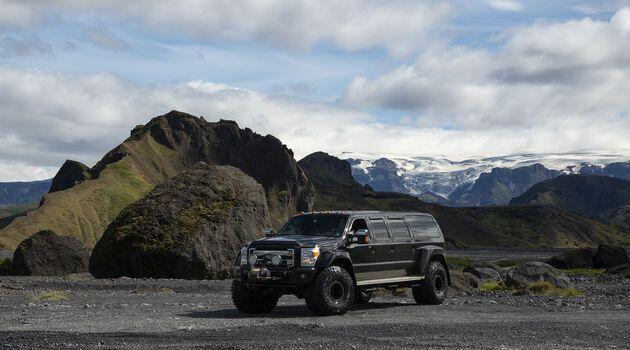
(419, 175)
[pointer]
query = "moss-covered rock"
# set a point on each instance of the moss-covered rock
(581, 258)
(189, 227)
(48, 254)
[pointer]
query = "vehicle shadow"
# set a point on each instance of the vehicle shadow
(283, 311)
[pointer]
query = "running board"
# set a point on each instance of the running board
(391, 280)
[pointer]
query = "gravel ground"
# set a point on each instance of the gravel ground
(156, 314)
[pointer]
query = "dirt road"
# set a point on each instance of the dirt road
(156, 314)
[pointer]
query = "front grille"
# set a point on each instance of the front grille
(265, 257)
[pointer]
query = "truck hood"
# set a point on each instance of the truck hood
(294, 241)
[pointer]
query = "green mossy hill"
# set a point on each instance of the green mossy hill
(507, 226)
(590, 195)
(87, 200)
(187, 227)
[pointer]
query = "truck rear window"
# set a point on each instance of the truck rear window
(399, 229)
(422, 226)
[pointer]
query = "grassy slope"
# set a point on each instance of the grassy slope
(590, 195)
(85, 210)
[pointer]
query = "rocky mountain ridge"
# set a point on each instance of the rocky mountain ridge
(88, 200)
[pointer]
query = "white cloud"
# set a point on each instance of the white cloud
(17, 13)
(47, 118)
(506, 5)
(399, 26)
(562, 85)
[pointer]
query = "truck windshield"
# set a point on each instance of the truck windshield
(315, 225)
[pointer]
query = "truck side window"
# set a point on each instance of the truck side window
(399, 229)
(358, 224)
(422, 226)
(379, 230)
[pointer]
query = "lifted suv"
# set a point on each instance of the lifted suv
(334, 259)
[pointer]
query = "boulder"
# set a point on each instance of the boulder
(573, 259)
(484, 273)
(520, 276)
(623, 268)
(463, 281)
(48, 254)
(189, 227)
(610, 256)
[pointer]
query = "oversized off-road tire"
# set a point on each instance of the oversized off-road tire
(249, 301)
(434, 287)
(363, 296)
(332, 293)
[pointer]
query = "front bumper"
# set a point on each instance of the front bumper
(275, 276)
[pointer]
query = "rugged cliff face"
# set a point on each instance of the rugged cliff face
(71, 173)
(154, 153)
(500, 185)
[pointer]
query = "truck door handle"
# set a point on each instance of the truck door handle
(391, 249)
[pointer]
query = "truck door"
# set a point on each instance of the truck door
(362, 255)
(401, 252)
(385, 266)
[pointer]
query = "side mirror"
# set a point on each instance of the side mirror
(363, 236)
(268, 232)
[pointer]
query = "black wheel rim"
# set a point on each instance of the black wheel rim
(336, 291)
(438, 284)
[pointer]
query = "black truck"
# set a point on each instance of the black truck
(334, 259)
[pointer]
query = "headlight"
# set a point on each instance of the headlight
(244, 256)
(309, 256)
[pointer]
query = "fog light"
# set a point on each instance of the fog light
(276, 260)
(253, 259)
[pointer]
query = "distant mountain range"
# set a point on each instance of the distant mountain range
(477, 181)
(497, 226)
(13, 193)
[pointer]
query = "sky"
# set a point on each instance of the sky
(454, 78)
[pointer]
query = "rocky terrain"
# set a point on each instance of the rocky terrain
(79, 312)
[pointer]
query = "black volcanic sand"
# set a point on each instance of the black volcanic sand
(146, 314)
